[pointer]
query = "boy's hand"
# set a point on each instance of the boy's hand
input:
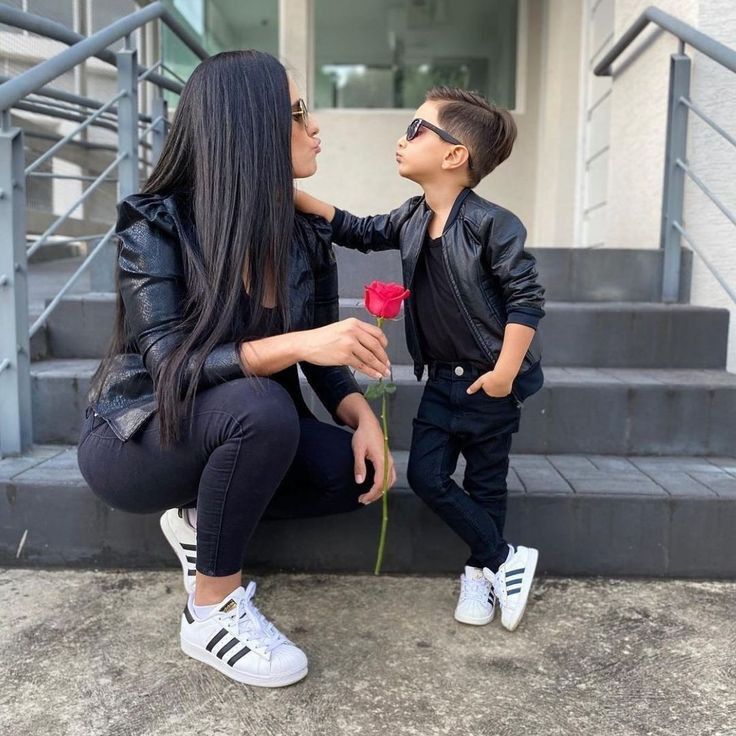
(494, 383)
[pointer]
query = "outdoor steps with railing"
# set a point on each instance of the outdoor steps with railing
(622, 377)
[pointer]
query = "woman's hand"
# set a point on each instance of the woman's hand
(368, 445)
(350, 342)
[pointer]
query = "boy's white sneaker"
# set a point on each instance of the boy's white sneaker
(477, 602)
(240, 642)
(512, 584)
(182, 537)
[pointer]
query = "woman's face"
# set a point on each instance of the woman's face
(304, 141)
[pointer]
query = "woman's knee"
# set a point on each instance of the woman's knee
(258, 406)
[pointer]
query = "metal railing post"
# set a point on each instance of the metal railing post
(673, 190)
(103, 274)
(16, 430)
(158, 135)
(127, 62)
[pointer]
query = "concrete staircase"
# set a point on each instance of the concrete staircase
(624, 464)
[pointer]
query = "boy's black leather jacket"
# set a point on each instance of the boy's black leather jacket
(152, 229)
(493, 278)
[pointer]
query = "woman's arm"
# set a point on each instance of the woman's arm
(349, 342)
(152, 288)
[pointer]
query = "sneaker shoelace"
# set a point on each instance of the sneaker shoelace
(253, 626)
(475, 590)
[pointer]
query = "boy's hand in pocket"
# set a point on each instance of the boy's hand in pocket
(495, 384)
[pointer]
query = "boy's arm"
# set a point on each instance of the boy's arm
(373, 233)
(515, 271)
(312, 206)
(516, 341)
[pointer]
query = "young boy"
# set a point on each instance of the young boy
(471, 319)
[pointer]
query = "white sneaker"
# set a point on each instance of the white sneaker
(477, 603)
(512, 584)
(183, 540)
(240, 642)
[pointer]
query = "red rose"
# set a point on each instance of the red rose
(384, 300)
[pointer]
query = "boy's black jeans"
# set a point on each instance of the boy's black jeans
(449, 422)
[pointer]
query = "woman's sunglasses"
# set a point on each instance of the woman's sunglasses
(415, 125)
(299, 109)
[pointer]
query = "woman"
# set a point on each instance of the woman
(196, 409)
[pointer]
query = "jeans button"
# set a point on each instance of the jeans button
(459, 370)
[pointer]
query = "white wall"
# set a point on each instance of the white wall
(714, 160)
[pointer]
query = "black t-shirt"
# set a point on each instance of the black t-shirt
(443, 332)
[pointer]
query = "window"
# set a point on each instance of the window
(387, 53)
(221, 25)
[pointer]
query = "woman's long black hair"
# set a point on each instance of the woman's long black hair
(228, 153)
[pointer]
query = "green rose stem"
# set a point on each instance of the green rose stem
(384, 496)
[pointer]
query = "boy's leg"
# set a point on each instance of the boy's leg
(486, 451)
(432, 461)
(486, 470)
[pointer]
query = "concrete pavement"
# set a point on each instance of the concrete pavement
(87, 653)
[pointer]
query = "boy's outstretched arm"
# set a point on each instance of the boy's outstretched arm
(373, 233)
(312, 206)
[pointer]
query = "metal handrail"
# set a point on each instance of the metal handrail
(32, 91)
(56, 224)
(708, 120)
(90, 119)
(71, 281)
(16, 89)
(676, 167)
(58, 32)
(79, 100)
(685, 32)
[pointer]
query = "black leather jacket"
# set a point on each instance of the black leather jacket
(493, 278)
(150, 228)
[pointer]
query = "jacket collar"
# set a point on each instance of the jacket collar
(455, 207)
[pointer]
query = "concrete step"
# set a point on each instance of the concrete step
(588, 410)
(588, 515)
(568, 274)
(601, 334)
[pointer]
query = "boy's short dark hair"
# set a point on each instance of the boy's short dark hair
(487, 131)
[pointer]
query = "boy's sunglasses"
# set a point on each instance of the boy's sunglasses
(413, 130)
(299, 109)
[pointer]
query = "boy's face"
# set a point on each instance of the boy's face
(424, 158)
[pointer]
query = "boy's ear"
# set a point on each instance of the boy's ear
(455, 158)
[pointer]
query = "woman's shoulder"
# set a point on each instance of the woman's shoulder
(156, 208)
(314, 226)
(315, 234)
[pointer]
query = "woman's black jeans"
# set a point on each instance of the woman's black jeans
(249, 455)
